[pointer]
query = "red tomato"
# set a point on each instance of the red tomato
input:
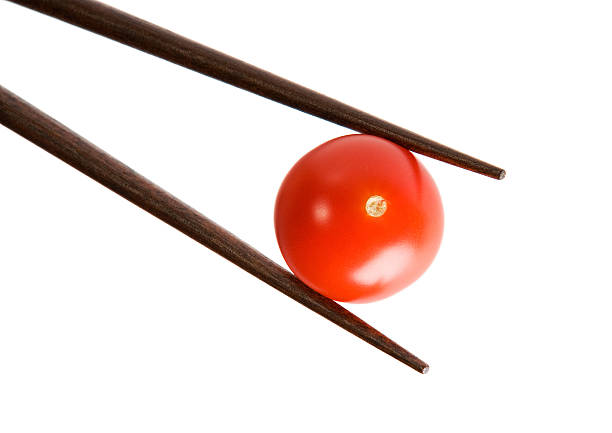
(358, 218)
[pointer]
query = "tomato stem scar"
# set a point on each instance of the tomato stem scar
(376, 206)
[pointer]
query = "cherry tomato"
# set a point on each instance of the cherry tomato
(358, 218)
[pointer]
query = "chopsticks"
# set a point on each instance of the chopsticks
(142, 35)
(47, 133)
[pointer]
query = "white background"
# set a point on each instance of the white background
(112, 321)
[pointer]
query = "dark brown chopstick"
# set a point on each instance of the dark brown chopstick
(42, 130)
(142, 35)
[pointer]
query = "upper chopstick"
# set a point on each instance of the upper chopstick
(142, 35)
(57, 139)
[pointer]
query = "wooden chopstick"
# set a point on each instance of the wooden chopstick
(142, 35)
(47, 133)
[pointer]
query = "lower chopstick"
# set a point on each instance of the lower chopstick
(47, 133)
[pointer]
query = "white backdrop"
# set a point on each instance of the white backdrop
(112, 321)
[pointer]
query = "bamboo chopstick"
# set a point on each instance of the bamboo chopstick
(47, 133)
(142, 35)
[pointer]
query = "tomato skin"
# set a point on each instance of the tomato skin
(328, 238)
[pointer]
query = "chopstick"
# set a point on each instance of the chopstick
(47, 133)
(142, 35)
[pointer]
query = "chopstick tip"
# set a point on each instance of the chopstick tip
(425, 369)
(501, 175)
